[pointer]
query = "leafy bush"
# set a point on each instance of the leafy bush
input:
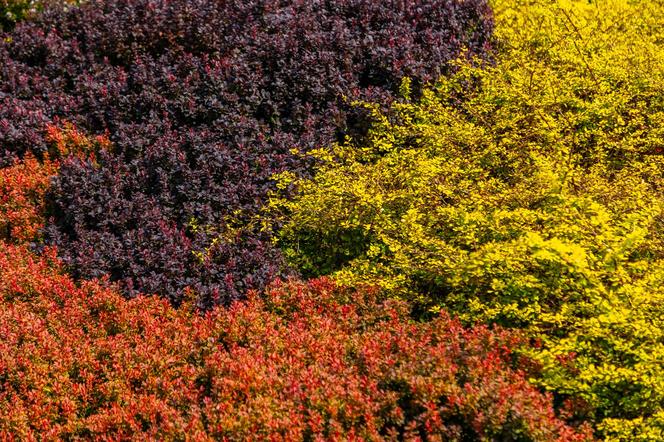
(23, 186)
(203, 102)
(22, 190)
(304, 361)
(533, 200)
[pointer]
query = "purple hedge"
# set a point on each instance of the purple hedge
(203, 101)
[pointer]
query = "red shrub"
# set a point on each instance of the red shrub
(304, 362)
(66, 139)
(23, 185)
(22, 189)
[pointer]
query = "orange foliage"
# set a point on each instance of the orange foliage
(22, 189)
(305, 360)
(23, 185)
(66, 139)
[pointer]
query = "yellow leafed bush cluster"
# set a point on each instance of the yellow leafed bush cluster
(528, 193)
(14, 11)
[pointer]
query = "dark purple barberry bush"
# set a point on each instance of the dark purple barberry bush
(203, 101)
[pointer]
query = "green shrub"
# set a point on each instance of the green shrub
(14, 11)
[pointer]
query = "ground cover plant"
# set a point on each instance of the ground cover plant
(533, 200)
(203, 102)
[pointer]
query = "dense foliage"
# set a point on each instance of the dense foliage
(534, 200)
(306, 361)
(486, 251)
(22, 189)
(204, 101)
(24, 184)
(301, 361)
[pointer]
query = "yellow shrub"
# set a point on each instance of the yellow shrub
(527, 193)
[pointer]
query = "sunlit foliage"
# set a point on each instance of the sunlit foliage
(528, 193)
(303, 361)
(203, 101)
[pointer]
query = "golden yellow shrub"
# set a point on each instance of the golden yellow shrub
(529, 193)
